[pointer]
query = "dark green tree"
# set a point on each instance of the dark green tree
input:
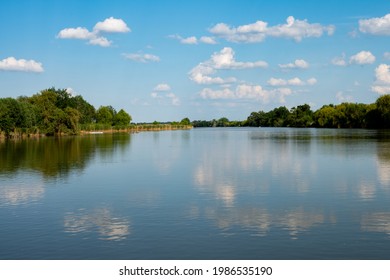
(383, 107)
(122, 118)
(10, 115)
(104, 115)
(185, 121)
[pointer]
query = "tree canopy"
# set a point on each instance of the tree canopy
(344, 115)
(55, 111)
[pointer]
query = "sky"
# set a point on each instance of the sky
(167, 60)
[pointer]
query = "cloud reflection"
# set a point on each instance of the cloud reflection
(100, 220)
(14, 193)
(376, 222)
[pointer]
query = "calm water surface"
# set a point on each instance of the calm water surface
(237, 193)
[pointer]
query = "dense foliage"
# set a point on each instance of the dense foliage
(55, 111)
(344, 115)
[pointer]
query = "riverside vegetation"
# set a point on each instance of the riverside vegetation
(56, 112)
(344, 115)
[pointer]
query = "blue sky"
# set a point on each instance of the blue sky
(166, 60)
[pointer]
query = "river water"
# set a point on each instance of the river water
(213, 193)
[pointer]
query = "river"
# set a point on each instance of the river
(212, 193)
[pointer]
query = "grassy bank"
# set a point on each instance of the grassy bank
(99, 128)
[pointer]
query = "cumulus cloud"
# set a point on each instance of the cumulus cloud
(341, 97)
(297, 64)
(162, 87)
(291, 82)
(23, 65)
(175, 101)
(109, 25)
(81, 33)
(208, 40)
(140, 57)
(339, 61)
(192, 40)
(382, 82)
(376, 26)
(256, 32)
(248, 92)
(100, 41)
(224, 59)
(361, 58)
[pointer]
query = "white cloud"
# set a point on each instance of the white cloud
(339, 61)
(247, 92)
(143, 58)
(376, 26)
(201, 74)
(71, 91)
(100, 41)
(208, 40)
(361, 58)
(343, 98)
(162, 87)
(291, 82)
(192, 40)
(386, 55)
(256, 32)
(311, 81)
(13, 64)
(224, 59)
(175, 101)
(111, 25)
(158, 94)
(382, 73)
(224, 93)
(189, 40)
(382, 82)
(297, 64)
(81, 33)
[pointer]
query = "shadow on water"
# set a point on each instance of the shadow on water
(57, 157)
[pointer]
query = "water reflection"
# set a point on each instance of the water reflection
(296, 166)
(383, 163)
(14, 193)
(376, 222)
(54, 157)
(101, 221)
(260, 221)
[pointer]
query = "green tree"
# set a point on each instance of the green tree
(72, 117)
(10, 115)
(277, 117)
(122, 118)
(300, 116)
(87, 111)
(46, 109)
(185, 121)
(383, 107)
(326, 116)
(223, 122)
(104, 115)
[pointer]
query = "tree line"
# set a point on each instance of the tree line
(56, 111)
(344, 115)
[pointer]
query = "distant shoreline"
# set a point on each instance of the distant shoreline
(130, 129)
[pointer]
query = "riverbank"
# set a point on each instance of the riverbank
(139, 128)
(131, 129)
